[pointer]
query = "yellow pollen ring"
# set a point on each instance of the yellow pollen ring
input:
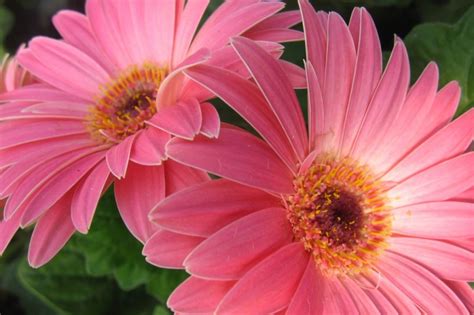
(124, 104)
(340, 214)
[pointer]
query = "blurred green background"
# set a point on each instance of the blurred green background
(104, 272)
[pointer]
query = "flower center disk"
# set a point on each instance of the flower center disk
(125, 103)
(340, 213)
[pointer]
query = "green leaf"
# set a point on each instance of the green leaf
(109, 249)
(452, 47)
(164, 282)
(65, 286)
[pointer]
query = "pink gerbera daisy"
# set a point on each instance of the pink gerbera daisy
(368, 212)
(93, 119)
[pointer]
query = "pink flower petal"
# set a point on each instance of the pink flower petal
(50, 59)
(406, 130)
(273, 281)
(275, 34)
(104, 18)
(442, 220)
(340, 67)
(186, 28)
(76, 30)
(420, 285)
(224, 256)
(162, 17)
(245, 98)
(149, 147)
(447, 143)
(168, 250)
(136, 195)
(276, 89)
(367, 72)
(40, 92)
(305, 300)
(362, 301)
(87, 195)
(29, 185)
(316, 121)
(211, 123)
(24, 161)
(258, 167)
(385, 104)
(439, 182)
(57, 186)
(295, 74)
(179, 176)
(182, 120)
(443, 109)
(384, 289)
(8, 229)
(315, 39)
(281, 19)
(216, 34)
(464, 293)
(203, 209)
(118, 157)
(198, 295)
(35, 130)
(437, 256)
(51, 232)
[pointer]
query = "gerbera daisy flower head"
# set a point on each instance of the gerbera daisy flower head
(368, 211)
(110, 95)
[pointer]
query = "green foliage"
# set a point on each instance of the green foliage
(99, 273)
(452, 47)
(6, 22)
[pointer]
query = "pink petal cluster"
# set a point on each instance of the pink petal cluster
(240, 238)
(91, 118)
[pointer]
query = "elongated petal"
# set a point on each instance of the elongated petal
(203, 209)
(339, 70)
(448, 142)
(36, 130)
(57, 186)
(118, 157)
(367, 72)
(247, 100)
(443, 220)
(168, 250)
(376, 282)
(385, 104)
(75, 29)
(274, 281)
(186, 28)
(260, 234)
(437, 256)
(198, 295)
(149, 147)
(51, 232)
(211, 123)
(183, 120)
(315, 39)
(276, 89)
(258, 167)
(8, 229)
(423, 287)
(136, 195)
(316, 122)
(84, 77)
(86, 197)
(236, 22)
(179, 176)
(440, 182)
